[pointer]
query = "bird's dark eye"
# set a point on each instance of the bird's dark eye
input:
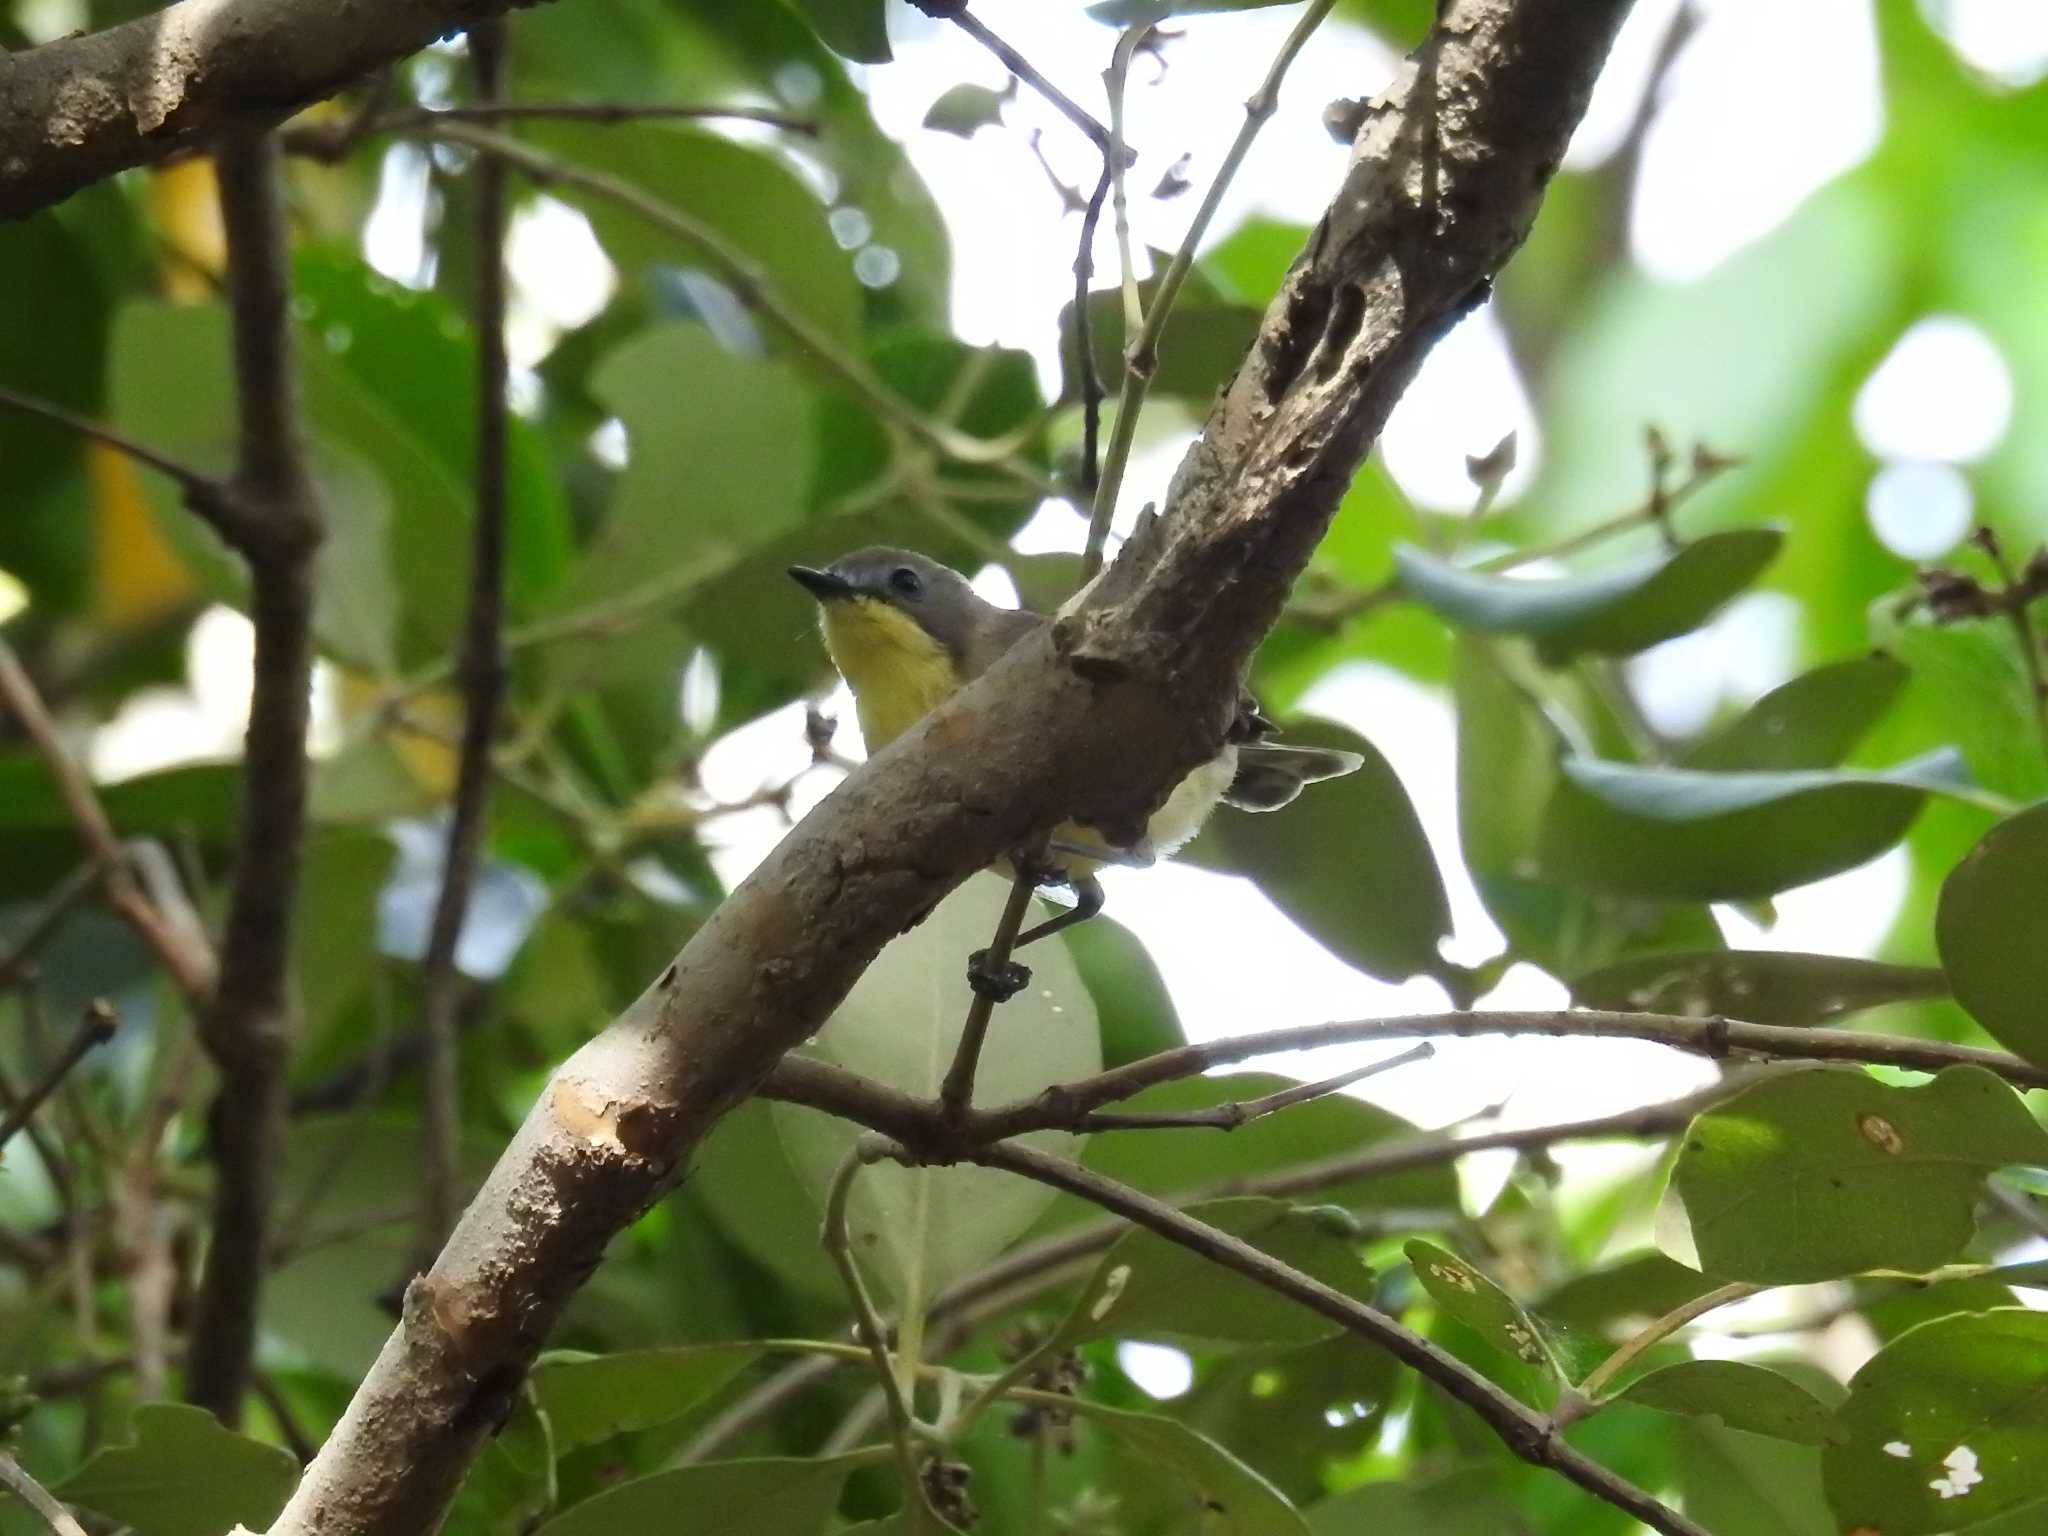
(905, 582)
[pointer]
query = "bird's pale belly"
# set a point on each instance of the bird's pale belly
(1169, 829)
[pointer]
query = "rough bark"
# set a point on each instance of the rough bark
(81, 108)
(1093, 719)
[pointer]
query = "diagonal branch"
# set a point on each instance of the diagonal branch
(1093, 720)
(83, 107)
(181, 951)
(1025, 1272)
(96, 1028)
(244, 1032)
(1529, 1434)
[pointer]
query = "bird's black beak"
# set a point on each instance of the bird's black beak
(823, 585)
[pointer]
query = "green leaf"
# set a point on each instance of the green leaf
(588, 1398)
(1813, 721)
(743, 1176)
(788, 1495)
(358, 1175)
(46, 539)
(1146, 1286)
(1947, 1426)
(334, 938)
(1644, 1284)
(1136, 1011)
(1740, 1395)
(1737, 1484)
(1764, 986)
(1988, 930)
(183, 1475)
(856, 28)
(1829, 1172)
(1609, 613)
(1348, 861)
(1968, 680)
(195, 802)
(397, 509)
(717, 467)
(1233, 1500)
(748, 196)
(966, 109)
(1205, 338)
(1466, 1503)
(1681, 832)
(1482, 1306)
(414, 352)
(1180, 1161)
(1290, 1413)
(919, 1229)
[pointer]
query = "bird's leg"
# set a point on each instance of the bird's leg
(1001, 981)
(1137, 856)
(1087, 902)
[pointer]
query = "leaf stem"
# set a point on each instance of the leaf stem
(1590, 1390)
(839, 1249)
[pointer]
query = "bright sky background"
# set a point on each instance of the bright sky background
(1713, 181)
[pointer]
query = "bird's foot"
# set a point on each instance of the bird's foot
(998, 983)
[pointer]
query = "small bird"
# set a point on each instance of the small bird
(907, 632)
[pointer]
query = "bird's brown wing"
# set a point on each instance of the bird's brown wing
(1269, 774)
(995, 631)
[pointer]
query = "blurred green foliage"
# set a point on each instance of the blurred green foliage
(674, 451)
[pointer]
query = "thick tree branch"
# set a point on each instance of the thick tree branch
(245, 1031)
(81, 108)
(1092, 721)
(481, 670)
(1027, 1271)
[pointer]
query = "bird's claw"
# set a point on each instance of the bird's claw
(999, 983)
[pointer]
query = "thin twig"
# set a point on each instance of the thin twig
(2015, 600)
(195, 484)
(1711, 1037)
(590, 112)
(1028, 1271)
(96, 1028)
(70, 891)
(956, 1091)
(15, 1478)
(1530, 1435)
(1119, 160)
(1141, 356)
(1030, 74)
(1238, 1112)
(482, 674)
(1656, 508)
(182, 955)
(245, 1031)
(1091, 379)
(867, 1323)
(751, 284)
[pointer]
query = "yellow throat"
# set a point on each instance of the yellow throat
(897, 672)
